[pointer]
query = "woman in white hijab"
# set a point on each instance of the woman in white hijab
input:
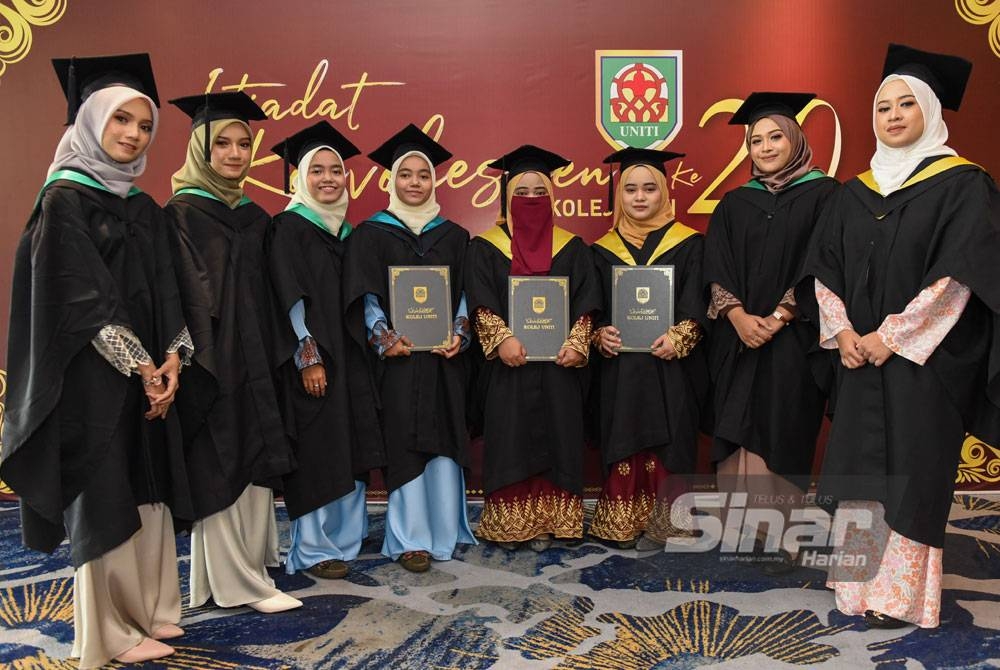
(421, 394)
(328, 402)
(904, 264)
(85, 443)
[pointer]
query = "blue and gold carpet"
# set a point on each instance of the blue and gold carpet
(589, 606)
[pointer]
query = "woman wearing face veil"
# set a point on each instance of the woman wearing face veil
(905, 275)
(325, 495)
(234, 439)
(90, 444)
(649, 402)
(532, 412)
(769, 376)
(421, 394)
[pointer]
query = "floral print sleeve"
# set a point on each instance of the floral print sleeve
(915, 333)
(832, 316)
(722, 301)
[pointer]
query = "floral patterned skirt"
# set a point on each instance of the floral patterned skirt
(529, 508)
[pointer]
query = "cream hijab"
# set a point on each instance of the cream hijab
(80, 146)
(890, 166)
(414, 217)
(198, 173)
(332, 214)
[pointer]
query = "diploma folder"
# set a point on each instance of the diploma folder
(420, 305)
(642, 304)
(539, 314)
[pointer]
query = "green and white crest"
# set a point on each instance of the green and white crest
(638, 97)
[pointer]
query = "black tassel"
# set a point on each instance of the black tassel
(208, 132)
(72, 95)
(503, 196)
(288, 185)
(611, 188)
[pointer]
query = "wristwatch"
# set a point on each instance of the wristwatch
(779, 316)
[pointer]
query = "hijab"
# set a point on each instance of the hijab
(892, 166)
(414, 217)
(80, 147)
(331, 214)
(530, 221)
(199, 173)
(799, 163)
(633, 230)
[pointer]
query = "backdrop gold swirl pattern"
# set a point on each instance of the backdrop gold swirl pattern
(16, 23)
(979, 13)
(980, 463)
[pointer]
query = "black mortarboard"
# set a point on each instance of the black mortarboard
(761, 104)
(626, 158)
(409, 139)
(946, 75)
(82, 76)
(294, 147)
(525, 158)
(208, 107)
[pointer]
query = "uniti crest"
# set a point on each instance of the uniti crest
(638, 97)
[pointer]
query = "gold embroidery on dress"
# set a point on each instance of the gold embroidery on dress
(491, 330)
(684, 336)
(579, 336)
(624, 468)
(621, 519)
(522, 520)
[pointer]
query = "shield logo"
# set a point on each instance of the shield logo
(638, 97)
(538, 304)
(642, 294)
(420, 294)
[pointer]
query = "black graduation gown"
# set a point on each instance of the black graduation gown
(421, 397)
(233, 433)
(533, 421)
(646, 402)
(332, 436)
(76, 447)
(768, 400)
(898, 431)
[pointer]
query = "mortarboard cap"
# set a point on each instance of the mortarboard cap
(208, 107)
(80, 77)
(761, 104)
(525, 158)
(294, 147)
(626, 158)
(409, 139)
(946, 75)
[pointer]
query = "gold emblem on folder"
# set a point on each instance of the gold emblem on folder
(420, 294)
(538, 304)
(642, 294)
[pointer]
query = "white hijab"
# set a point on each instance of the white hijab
(890, 166)
(417, 217)
(331, 214)
(80, 146)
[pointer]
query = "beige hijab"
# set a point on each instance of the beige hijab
(414, 217)
(633, 230)
(332, 214)
(198, 173)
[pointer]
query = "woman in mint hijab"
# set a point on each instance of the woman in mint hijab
(320, 378)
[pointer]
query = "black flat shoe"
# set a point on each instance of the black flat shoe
(878, 620)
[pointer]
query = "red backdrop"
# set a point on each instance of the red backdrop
(484, 76)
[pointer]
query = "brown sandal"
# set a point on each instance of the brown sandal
(416, 561)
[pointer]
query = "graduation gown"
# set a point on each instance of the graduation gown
(233, 433)
(336, 438)
(532, 415)
(421, 397)
(768, 400)
(76, 447)
(898, 431)
(646, 402)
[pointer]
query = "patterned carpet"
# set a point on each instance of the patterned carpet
(588, 606)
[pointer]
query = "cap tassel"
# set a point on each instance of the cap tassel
(287, 170)
(611, 187)
(208, 132)
(503, 196)
(71, 93)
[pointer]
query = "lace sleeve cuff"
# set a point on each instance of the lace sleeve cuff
(579, 336)
(121, 348)
(684, 336)
(491, 330)
(183, 346)
(382, 338)
(307, 354)
(722, 301)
